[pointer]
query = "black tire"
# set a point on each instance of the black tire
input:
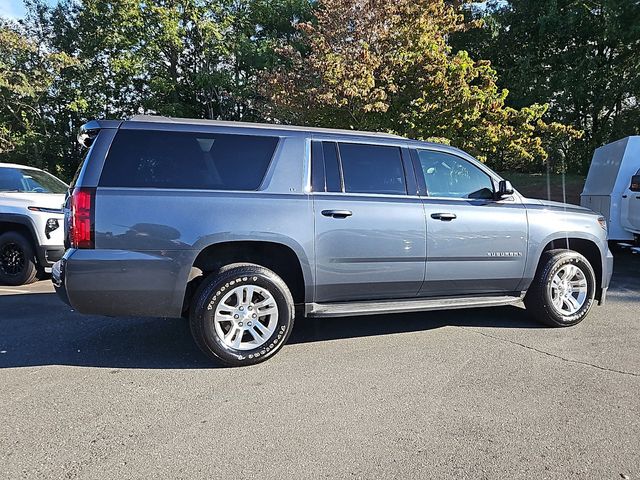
(538, 299)
(17, 260)
(211, 293)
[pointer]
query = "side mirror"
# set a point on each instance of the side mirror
(504, 189)
(635, 183)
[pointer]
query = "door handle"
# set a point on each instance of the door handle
(445, 217)
(337, 213)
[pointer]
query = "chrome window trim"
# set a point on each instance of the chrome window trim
(307, 165)
(356, 195)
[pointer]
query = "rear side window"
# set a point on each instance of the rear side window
(372, 169)
(325, 168)
(159, 159)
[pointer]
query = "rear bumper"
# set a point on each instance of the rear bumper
(123, 283)
(57, 278)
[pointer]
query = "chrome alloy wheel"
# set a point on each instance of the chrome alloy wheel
(568, 289)
(246, 317)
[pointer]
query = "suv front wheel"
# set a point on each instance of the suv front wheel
(242, 314)
(563, 290)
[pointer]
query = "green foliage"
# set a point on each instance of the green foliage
(409, 67)
(27, 76)
(380, 65)
(581, 57)
(195, 58)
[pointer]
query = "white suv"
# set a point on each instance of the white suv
(31, 222)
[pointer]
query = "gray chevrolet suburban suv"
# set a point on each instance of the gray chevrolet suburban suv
(238, 227)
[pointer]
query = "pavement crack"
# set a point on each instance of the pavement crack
(559, 357)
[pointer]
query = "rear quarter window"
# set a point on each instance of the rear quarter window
(187, 160)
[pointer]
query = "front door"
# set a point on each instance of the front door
(370, 234)
(475, 244)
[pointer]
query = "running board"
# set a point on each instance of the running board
(378, 307)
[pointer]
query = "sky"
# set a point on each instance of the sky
(15, 8)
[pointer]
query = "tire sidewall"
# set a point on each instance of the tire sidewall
(29, 262)
(580, 262)
(211, 296)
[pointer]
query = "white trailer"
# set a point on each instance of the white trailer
(613, 187)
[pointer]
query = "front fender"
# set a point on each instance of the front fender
(547, 225)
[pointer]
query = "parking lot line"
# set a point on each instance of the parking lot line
(13, 290)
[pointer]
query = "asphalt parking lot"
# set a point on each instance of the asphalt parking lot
(464, 394)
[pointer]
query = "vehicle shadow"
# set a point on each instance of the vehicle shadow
(322, 329)
(626, 273)
(37, 329)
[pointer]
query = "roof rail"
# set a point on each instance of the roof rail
(270, 126)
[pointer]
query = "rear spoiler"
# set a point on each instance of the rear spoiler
(89, 131)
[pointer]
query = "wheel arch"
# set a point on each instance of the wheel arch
(20, 224)
(585, 247)
(278, 257)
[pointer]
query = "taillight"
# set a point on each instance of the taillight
(81, 229)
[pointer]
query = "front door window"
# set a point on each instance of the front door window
(449, 176)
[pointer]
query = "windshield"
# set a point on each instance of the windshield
(31, 181)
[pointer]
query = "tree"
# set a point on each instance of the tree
(27, 73)
(203, 55)
(196, 58)
(582, 57)
(380, 65)
(70, 80)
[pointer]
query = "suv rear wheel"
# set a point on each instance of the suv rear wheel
(17, 259)
(563, 291)
(242, 314)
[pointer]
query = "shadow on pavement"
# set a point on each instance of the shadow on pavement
(37, 329)
(626, 272)
(322, 329)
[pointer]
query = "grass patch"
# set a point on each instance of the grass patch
(534, 185)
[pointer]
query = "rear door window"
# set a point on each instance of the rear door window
(372, 169)
(332, 167)
(187, 160)
(325, 167)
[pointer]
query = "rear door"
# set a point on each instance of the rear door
(370, 232)
(475, 244)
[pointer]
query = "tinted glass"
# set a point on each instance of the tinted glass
(317, 168)
(31, 181)
(79, 169)
(332, 167)
(449, 176)
(372, 169)
(160, 159)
